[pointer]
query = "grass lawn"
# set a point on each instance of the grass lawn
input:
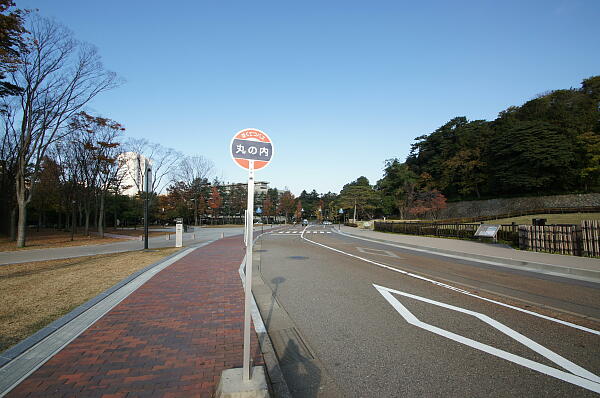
(570, 218)
(35, 294)
(47, 238)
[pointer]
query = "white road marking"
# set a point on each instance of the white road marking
(378, 252)
(578, 376)
(456, 289)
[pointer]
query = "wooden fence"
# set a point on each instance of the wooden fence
(576, 240)
(507, 232)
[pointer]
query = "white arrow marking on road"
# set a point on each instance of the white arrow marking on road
(456, 289)
(578, 376)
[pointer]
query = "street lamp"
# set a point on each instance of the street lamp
(146, 200)
(195, 211)
(72, 220)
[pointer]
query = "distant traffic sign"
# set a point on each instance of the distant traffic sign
(251, 145)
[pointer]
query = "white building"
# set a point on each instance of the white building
(260, 187)
(133, 166)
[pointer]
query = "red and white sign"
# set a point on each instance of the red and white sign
(251, 145)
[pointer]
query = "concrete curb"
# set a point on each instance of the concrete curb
(542, 268)
(18, 351)
(274, 372)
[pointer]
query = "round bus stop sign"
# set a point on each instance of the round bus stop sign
(251, 145)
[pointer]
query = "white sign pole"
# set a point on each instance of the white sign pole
(247, 312)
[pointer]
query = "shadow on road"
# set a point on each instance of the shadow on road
(302, 376)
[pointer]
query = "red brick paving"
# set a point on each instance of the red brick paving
(171, 338)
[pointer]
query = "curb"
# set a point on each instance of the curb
(274, 372)
(530, 266)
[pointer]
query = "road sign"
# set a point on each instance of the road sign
(259, 211)
(251, 147)
(487, 230)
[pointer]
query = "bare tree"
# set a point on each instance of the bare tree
(97, 152)
(59, 76)
(193, 168)
(162, 160)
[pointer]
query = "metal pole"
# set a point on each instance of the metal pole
(72, 220)
(146, 208)
(248, 296)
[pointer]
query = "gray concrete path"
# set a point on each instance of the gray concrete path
(578, 267)
(198, 236)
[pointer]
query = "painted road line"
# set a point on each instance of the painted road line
(378, 252)
(456, 289)
(572, 274)
(578, 375)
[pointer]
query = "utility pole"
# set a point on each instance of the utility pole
(355, 211)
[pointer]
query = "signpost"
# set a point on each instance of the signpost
(340, 212)
(251, 149)
(259, 212)
(487, 231)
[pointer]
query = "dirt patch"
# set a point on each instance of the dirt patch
(35, 294)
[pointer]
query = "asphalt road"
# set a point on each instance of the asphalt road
(362, 319)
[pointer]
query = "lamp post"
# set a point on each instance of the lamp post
(72, 220)
(146, 200)
(195, 211)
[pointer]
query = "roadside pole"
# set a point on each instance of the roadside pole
(341, 213)
(251, 149)
(248, 269)
(146, 199)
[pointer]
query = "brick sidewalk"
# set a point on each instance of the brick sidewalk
(171, 338)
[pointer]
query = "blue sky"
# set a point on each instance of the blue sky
(339, 86)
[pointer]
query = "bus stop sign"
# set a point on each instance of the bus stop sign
(251, 144)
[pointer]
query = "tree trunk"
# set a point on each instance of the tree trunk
(101, 216)
(13, 224)
(21, 229)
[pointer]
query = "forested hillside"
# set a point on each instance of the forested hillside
(548, 145)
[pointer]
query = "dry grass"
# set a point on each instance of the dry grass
(47, 238)
(35, 294)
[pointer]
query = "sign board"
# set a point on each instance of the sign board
(178, 235)
(251, 145)
(487, 231)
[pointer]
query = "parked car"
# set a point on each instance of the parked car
(304, 222)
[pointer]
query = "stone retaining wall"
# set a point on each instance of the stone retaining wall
(492, 207)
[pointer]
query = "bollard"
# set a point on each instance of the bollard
(194, 236)
(222, 235)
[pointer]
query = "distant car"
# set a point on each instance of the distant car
(326, 222)
(304, 222)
